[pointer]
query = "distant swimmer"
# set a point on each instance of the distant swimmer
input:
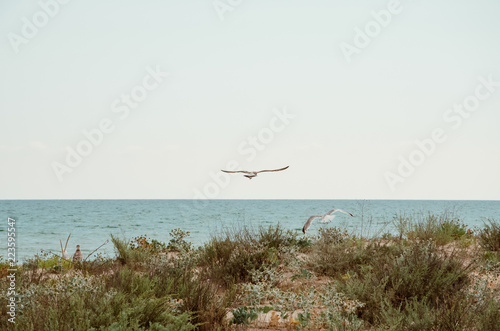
(78, 254)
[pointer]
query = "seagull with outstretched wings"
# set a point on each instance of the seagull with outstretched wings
(252, 174)
(325, 218)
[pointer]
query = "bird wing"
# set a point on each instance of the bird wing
(273, 170)
(340, 210)
(308, 223)
(233, 172)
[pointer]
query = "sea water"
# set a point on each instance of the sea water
(42, 224)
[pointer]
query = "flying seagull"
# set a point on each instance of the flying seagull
(325, 218)
(252, 174)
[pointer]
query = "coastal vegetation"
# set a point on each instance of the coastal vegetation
(430, 273)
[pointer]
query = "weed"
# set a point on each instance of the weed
(144, 243)
(489, 236)
(439, 228)
(231, 257)
(178, 242)
(128, 253)
(402, 223)
(243, 315)
(54, 264)
(418, 272)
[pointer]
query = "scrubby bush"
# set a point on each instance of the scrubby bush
(129, 254)
(177, 277)
(393, 282)
(178, 241)
(489, 236)
(243, 315)
(439, 228)
(337, 253)
(125, 300)
(231, 257)
(142, 242)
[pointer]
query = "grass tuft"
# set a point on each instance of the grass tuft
(231, 257)
(489, 236)
(440, 228)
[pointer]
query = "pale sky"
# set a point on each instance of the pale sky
(150, 99)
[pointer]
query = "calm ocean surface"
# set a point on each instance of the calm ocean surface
(40, 224)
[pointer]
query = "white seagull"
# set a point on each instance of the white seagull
(325, 218)
(252, 174)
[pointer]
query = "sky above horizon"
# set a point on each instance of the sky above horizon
(149, 100)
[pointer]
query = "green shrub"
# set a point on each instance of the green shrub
(453, 228)
(54, 264)
(125, 300)
(394, 281)
(439, 228)
(152, 246)
(178, 277)
(334, 252)
(99, 265)
(333, 236)
(402, 223)
(336, 256)
(231, 257)
(488, 315)
(460, 312)
(489, 236)
(178, 242)
(243, 315)
(129, 254)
